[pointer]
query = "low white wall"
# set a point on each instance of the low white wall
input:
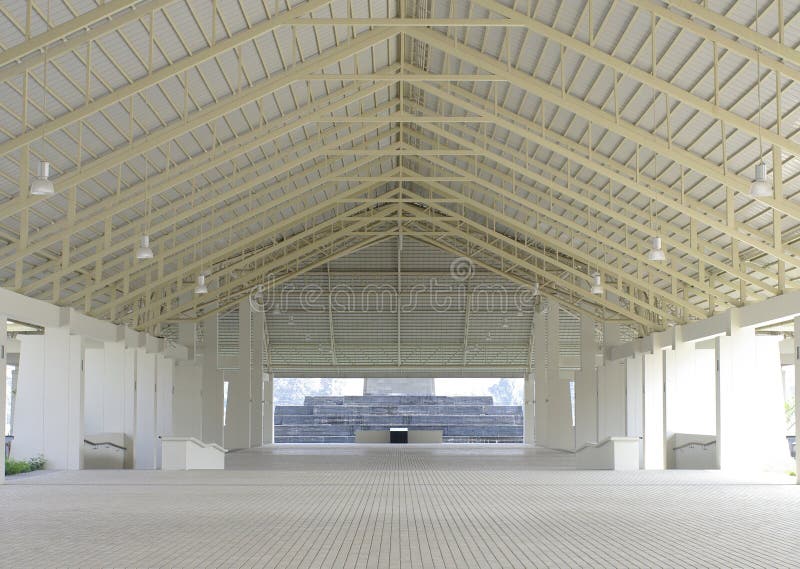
(694, 452)
(614, 453)
(189, 453)
(425, 437)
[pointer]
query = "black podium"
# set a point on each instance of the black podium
(398, 435)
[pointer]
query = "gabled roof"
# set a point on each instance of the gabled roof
(543, 140)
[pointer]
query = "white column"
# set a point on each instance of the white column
(586, 418)
(678, 364)
(165, 374)
(653, 382)
(237, 418)
(105, 391)
(269, 411)
(540, 378)
(797, 393)
(528, 410)
(3, 356)
(129, 405)
(144, 453)
(257, 381)
(49, 415)
(560, 433)
(187, 398)
(735, 355)
(611, 390)
(212, 385)
(634, 414)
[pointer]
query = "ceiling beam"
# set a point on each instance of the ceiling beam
(568, 250)
(621, 174)
(154, 77)
(649, 78)
(255, 240)
(346, 225)
(598, 116)
(189, 169)
(569, 188)
(202, 117)
(497, 248)
(582, 273)
(14, 62)
(230, 188)
(760, 41)
(706, 33)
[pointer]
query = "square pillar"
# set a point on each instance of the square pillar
(268, 423)
(213, 387)
(49, 414)
(528, 410)
(3, 356)
(165, 373)
(237, 421)
(145, 448)
(797, 392)
(611, 390)
(586, 387)
(653, 413)
(634, 401)
(540, 378)
(187, 398)
(257, 381)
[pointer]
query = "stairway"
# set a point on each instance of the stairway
(336, 419)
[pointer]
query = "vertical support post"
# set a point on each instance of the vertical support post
(269, 410)
(634, 412)
(653, 382)
(797, 392)
(586, 395)
(3, 356)
(213, 399)
(237, 421)
(540, 378)
(528, 412)
(144, 448)
(257, 381)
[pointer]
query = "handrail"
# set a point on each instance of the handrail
(196, 441)
(600, 443)
(109, 443)
(692, 443)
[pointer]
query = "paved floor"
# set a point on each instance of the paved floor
(405, 507)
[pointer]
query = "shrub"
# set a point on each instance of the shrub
(14, 466)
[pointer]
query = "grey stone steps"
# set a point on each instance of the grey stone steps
(337, 418)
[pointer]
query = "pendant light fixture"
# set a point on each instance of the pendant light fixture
(656, 253)
(201, 287)
(41, 184)
(144, 251)
(760, 187)
(597, 285)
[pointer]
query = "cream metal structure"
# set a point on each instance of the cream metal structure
(546, 141)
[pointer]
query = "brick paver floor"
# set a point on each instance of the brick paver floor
(399, 507)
